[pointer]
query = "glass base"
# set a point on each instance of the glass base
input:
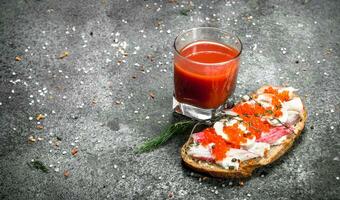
(195, 112)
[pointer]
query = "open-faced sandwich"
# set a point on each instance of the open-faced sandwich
(255, 132)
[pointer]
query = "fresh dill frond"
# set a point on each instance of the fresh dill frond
(185, 12)
(38, 165)
(165, 135)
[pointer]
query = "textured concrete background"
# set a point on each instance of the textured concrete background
(98, 98)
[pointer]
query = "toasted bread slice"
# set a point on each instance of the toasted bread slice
(246, 167)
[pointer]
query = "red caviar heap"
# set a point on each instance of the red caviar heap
(277, 98)
(236, 135)
(283, 96)
(251, 115)
(220, 147)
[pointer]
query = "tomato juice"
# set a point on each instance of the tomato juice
(205, 73)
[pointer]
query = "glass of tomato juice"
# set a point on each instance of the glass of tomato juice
(206, 63)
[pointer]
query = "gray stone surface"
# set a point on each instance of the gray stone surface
(285, 42)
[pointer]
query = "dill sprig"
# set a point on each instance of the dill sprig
(38, 165)
(185, 12)
(165, 135)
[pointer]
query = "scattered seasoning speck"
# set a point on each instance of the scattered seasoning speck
(152, 95)
(40, 117)
(31, 139)
(66, 173)
(18, 58)
(64, 55)
(74, 151)
(40, 127)
(170, 195)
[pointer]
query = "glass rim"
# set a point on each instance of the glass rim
(203, 63)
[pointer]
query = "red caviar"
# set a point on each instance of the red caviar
(251, 114)
(220, 147)
(236, 135)
(256, 125)
(282, 96)
(249, 109)
(277, 99)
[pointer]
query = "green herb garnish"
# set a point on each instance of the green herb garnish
(269, 112)
(38, 165)
(165, 135)
(185, 12)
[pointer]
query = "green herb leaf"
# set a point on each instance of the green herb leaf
(165, 135)
(269, 112)
(185, 12)
(38, 165)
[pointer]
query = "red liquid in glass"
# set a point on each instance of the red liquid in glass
(205, 79)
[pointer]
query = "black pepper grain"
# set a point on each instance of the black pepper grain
(230, 104)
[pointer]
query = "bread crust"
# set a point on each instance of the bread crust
(246, 167)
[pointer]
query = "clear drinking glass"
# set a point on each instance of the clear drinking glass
(206, 62)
